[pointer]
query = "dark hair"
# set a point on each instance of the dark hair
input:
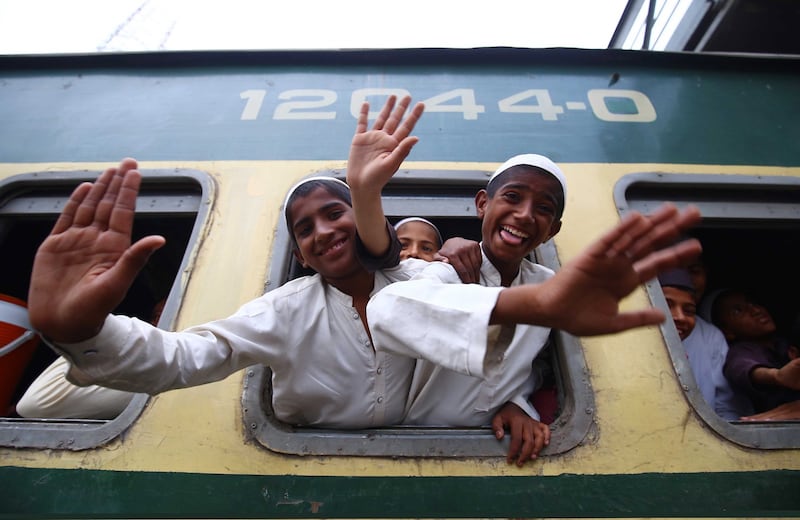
(338, 190)
(494, 185)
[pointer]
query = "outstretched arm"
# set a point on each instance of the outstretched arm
(375, 155)
(86, 265)
(583, 297)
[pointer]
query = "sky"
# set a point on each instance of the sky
(88, 26)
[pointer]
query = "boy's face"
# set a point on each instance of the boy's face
(520, 216)
(324, 228)
(418, 240)
(682, 308)
(739, 318)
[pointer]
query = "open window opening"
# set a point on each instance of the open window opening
(446, 198)
(169, 204)
(751, 241)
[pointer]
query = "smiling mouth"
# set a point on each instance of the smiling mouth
(333, 248)
(513, 235)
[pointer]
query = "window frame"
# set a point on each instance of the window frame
(752, 199)
(432, 194)
(18, 194)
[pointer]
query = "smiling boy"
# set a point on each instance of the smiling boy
(520, 209)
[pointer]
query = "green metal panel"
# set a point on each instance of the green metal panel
(43, 493)
(483, 105)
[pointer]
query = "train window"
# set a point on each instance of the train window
(447, 199)
(170, 204)
(751, 240)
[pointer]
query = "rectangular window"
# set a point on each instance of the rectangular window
(170, 203)
(751, 240)
(447, 199)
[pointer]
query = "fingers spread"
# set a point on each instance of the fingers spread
(363, 117)
(121, 214)
(397, 115)
(667, 258)
(384, 113)
(85, 213)
(67, 216)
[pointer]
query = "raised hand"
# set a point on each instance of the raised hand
(84, 268)
(583, 297)
(375, 155)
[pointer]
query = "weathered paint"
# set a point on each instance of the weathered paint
(108, 494)
(643, 422)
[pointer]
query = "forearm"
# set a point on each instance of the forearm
(765, 376)
(370, 221)
(522, 304)
(134, 356)
(442, 323)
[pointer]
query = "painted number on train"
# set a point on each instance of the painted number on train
(612, 105)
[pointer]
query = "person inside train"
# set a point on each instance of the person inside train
(84, 267)
(52, 396)
(520, 209)
(760, 361)
(705, 345)
(419, 238)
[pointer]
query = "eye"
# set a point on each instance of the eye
(511, 196)
(428, 249)
(546, 209)
(403, 244)
(302, 231)
(335, 214)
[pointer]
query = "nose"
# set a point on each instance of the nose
(524, 212)
(322, 229)
(678, 315)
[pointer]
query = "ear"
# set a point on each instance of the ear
(299, 257)
(554, 229)
(481, 200)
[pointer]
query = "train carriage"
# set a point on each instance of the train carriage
(221, 136)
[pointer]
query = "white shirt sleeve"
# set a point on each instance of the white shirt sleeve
(132, 355)
(428, 318)
(51, 396)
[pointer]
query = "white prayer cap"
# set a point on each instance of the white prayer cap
(420, 219)
(539, 161)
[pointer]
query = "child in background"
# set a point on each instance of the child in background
(704, 344)
(759, 361)
(419, 238)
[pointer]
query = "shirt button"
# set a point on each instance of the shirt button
(355, 315)
(380, 399)
(380, 370)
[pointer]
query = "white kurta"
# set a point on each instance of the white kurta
(51, 396)
(325, 371)
(465, 377)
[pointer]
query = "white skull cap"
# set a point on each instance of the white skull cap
(420, 219)
(539, 161)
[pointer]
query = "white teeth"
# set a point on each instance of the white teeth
(515, 232)
(337, 245)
